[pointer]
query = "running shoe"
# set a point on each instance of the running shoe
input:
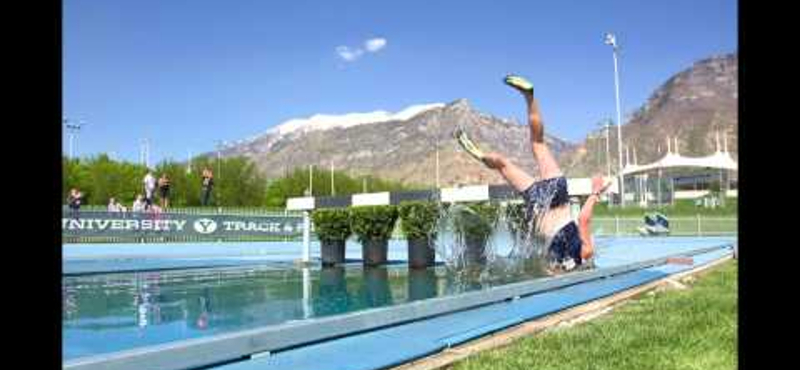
(519, 83)
(468, 145)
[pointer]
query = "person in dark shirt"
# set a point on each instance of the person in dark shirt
(163, 190)
(74, 199)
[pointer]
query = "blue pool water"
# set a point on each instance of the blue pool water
(247, 285)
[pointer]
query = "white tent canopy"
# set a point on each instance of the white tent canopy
(718, 160)
(721, 160)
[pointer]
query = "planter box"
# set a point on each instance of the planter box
(332, 252)
(374, 252)
(421, 253)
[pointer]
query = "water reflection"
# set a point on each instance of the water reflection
(421, 284)
(374, 290)
(106, 313)
(332, 297)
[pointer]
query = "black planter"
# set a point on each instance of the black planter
(374, 252)
(421, 253)
(332, 252)
(476, 248)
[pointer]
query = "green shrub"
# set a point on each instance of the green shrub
(478, 219)
(332, 224)
(418, 219)
(373, 222)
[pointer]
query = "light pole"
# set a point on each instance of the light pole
(606, 124)
(219, 158)
(144, 153)
(73, 128)
(189, 163)
(438, 129)
(611, 40)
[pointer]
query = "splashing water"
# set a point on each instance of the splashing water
(453, 240)
(505, 245)
(526, 226)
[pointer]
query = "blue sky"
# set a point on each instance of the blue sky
(186, 73)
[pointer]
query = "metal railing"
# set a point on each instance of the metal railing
(239, 211)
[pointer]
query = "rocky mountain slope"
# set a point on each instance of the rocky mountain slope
(398, 146)
(696, 106)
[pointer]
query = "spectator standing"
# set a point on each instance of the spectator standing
(163, 190)
(208, 186)
(149, 187)
(74, 200)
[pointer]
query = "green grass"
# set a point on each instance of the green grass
(682, 208)
(687, 329)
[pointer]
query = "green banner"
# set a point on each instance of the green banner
(135, 224)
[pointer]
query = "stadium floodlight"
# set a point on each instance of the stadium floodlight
(611, 40)
(73, 128)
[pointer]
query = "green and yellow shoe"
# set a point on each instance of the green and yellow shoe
(466, 143)
(519, 83)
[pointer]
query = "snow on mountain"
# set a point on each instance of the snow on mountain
(326, 122)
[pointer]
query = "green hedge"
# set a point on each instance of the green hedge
(479, 219)
(418, 219)
(373, 222)
(332, 224)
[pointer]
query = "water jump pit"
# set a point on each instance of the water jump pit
(236, 306)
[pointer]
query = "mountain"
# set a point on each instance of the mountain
(692, 106)
(397, 146)
(695, 106)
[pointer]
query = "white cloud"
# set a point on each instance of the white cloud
(349, 55)
(373, 45)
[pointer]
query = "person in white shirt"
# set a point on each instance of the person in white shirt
(139, 204)
(113, 206)
(149, 187)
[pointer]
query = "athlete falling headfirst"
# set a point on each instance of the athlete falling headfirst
(568, 243)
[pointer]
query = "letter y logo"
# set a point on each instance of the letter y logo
(205, 226)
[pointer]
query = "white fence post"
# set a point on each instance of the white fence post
(306, 236)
